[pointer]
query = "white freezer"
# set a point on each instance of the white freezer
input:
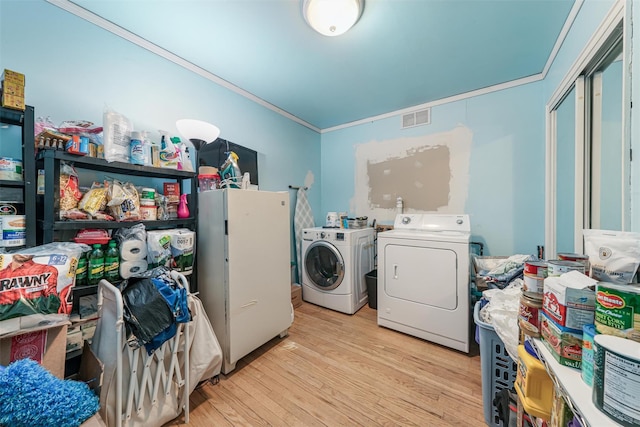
(244, 270)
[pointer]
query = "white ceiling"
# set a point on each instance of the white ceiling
(400, 54)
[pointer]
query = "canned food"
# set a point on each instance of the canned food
(13, 230)
(558, 267)
(535, 268)
(10, 169)
(533, 286)
(529, 315)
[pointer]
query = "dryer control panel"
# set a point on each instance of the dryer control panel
(433, 222)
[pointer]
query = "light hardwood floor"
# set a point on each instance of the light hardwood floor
(340, 370)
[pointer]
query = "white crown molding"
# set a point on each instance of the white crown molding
(91, 17)
(563, 34)
(145, 44)
(460, 97)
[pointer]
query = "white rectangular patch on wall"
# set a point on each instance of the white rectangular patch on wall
(416, 118)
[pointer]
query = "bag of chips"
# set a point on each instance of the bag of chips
(94, 200)
(124, 201)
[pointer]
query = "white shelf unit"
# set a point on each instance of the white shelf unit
(575, 390)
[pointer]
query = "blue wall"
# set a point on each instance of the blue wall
(75, 69)
(505, 196)
(78, 69)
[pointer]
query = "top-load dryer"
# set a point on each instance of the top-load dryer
(423, 278)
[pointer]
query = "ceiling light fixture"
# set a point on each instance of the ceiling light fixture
(332, 17)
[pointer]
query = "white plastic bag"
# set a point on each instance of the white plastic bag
(614, 255)
(502, 314)
(117, 134)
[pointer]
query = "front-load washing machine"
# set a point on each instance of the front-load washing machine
(334, 263)
(423, 278)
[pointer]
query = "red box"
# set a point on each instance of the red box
(172, 192)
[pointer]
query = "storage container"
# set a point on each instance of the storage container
(209, 182)
(498, 369)
(533, 384)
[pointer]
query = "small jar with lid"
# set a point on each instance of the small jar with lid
(529, 315)
(209, 182)
(148, 197)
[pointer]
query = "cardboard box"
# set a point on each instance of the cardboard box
(13, 77)
(54, 355)
(296, 295)
(74, 338)
(91, 372)
(10, 88)
(32, 322)
(172, 192)
(569, 300)
(564, 344)
(13, 102)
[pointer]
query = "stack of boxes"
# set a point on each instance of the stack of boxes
(13, 90)
(567, 306)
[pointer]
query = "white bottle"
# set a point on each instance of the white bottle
(146, 149)
(136, 153)
(399, 205)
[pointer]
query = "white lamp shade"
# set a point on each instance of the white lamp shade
(197, 131)
(332, 17)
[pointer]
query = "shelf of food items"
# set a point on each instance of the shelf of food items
(574, 357)
(17, 188)
(580, 321)
(75, 146)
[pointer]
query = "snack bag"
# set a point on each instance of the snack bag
(124, 201)
(94, 200)
(70, 194)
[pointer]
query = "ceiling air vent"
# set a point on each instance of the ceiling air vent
(416, 118)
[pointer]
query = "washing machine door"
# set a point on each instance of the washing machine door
(324, 265)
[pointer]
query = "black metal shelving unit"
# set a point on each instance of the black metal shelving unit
(50, 160)
(51, 228)
(25, 120)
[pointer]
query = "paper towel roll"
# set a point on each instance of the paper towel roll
(182, 250)
(129, 268)
(133, 250)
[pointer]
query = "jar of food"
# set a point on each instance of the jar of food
(148, 197)
(529, 315)
(209, 182)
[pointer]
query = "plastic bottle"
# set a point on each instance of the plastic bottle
(112, 263)
(96, 265)
(168, 156)
(147, 159)
(136, 154)
(399, 205)
(183, 210)
(81, 271)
